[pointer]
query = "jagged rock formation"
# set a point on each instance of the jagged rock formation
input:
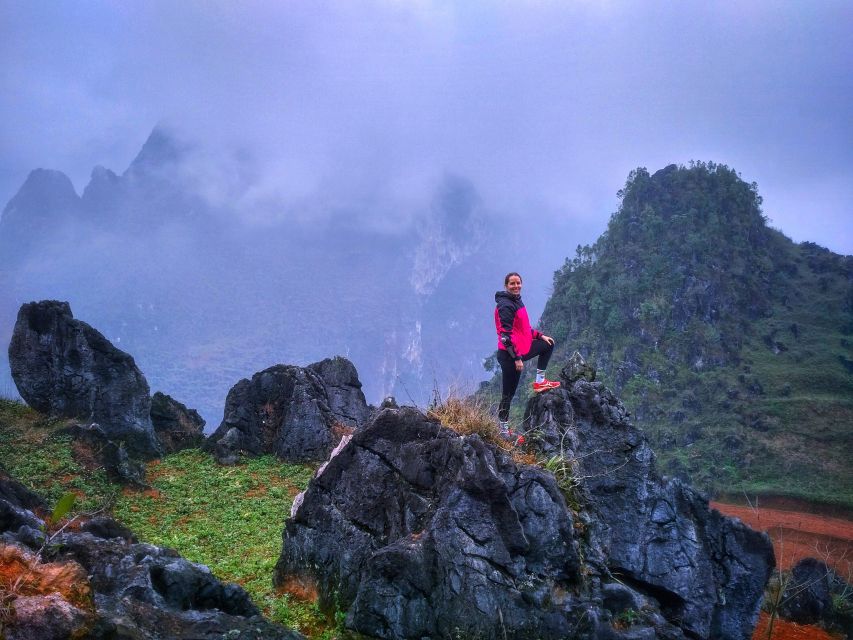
(417, 532)
(290, 411)
(176, 426)
(100, 584)
(658, 536)
(577, 369)
(343, 390)
(64, 367)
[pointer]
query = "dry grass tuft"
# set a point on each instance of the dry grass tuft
(23, 574)
(302, 587)
(467, 416)
(522, 457)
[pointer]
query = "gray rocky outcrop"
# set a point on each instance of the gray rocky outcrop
(343, 390)
(389, 402)
(100, 584)
(658, 535)
(14, 493)
(64, 367)
(293, 412)
(577, 369)
(417, 532)
(93, 448)
(176, 426)
(807, 597)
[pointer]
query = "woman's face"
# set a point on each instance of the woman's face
(513, 285)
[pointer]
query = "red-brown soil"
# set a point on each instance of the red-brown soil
(797, 535)
(784, 630)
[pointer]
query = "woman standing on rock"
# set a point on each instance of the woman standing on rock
(517, 342)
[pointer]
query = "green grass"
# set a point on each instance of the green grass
(42, 459)
(228, 518)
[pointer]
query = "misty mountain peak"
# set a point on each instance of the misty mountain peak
(45, 201)
(102, 174)
(101, 192)
(162, 148)
(44, 190)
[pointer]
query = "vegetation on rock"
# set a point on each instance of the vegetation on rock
(730, 344)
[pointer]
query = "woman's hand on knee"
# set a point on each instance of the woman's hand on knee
(548, 339)
(519, 365)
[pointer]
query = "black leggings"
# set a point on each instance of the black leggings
(510, 376)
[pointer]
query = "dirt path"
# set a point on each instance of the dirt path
(797, 535)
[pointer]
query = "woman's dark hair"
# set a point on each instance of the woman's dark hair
(510, 275)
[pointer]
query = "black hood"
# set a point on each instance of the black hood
(507, 295)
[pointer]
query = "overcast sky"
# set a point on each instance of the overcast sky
(545, 106)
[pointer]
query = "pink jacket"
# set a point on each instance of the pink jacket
(511, 319)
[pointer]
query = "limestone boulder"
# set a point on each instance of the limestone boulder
(297, 413)
(64, 367)
(176, 426)
(418, 532)
(343, 390)
(577, 369)
(815, 594)
(659, 535)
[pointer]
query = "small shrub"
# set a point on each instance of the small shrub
(562, 469)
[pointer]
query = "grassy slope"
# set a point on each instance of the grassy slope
(228, 518)
(807, 402)
(792, 436)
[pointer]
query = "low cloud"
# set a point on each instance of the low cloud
(303, 108)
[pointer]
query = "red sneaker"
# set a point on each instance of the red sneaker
(539, 387)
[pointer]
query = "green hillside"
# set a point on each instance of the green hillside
(731, 345)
